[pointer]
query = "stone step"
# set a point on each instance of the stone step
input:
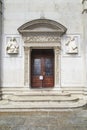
(6, 105)
(36, 93)
(42, 98)
(33, 99)
(42, 94)
(85, 93)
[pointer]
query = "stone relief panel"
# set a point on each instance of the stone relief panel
(12, 45)
(71, 45)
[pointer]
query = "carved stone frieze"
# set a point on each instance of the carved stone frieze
(42, 38)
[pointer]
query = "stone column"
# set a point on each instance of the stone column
(84, 2)
(57, 67)
(27, 67)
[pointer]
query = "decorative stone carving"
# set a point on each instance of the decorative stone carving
(55, 26)
(84, 2)
(41, 33)
(12, 46)
(27, 66)
(42, 38)
(57, 52)
(71, 46)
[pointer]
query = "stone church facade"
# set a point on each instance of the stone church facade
(43, 47)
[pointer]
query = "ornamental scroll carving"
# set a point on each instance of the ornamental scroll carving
(42, 38)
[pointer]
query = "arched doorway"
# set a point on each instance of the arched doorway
(42, 45)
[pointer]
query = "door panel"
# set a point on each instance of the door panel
(42, 70)
(37, 66)
(48, 80)
(48, 64)
(36, 72)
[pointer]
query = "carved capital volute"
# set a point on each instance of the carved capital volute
(57, 50)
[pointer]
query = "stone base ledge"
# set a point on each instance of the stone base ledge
(6, 106)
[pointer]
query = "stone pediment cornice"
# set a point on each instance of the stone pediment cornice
(42, 25)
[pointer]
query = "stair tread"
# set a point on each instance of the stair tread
(41, 105)
(38, 93)
(40, 98)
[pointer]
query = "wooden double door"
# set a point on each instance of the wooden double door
(42, 68)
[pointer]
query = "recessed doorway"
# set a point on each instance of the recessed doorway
(42, 68)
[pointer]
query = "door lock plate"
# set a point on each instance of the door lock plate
(41, 77)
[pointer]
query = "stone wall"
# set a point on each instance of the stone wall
(69, 14)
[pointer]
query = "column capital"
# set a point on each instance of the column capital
(27, 48)
(57, 50)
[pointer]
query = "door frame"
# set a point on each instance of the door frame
(27, 66)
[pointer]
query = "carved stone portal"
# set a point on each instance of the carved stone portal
(42, 34)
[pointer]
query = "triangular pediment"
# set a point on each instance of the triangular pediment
(42, 25)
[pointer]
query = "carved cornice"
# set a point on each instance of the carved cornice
(34, 25)
(84, 2)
